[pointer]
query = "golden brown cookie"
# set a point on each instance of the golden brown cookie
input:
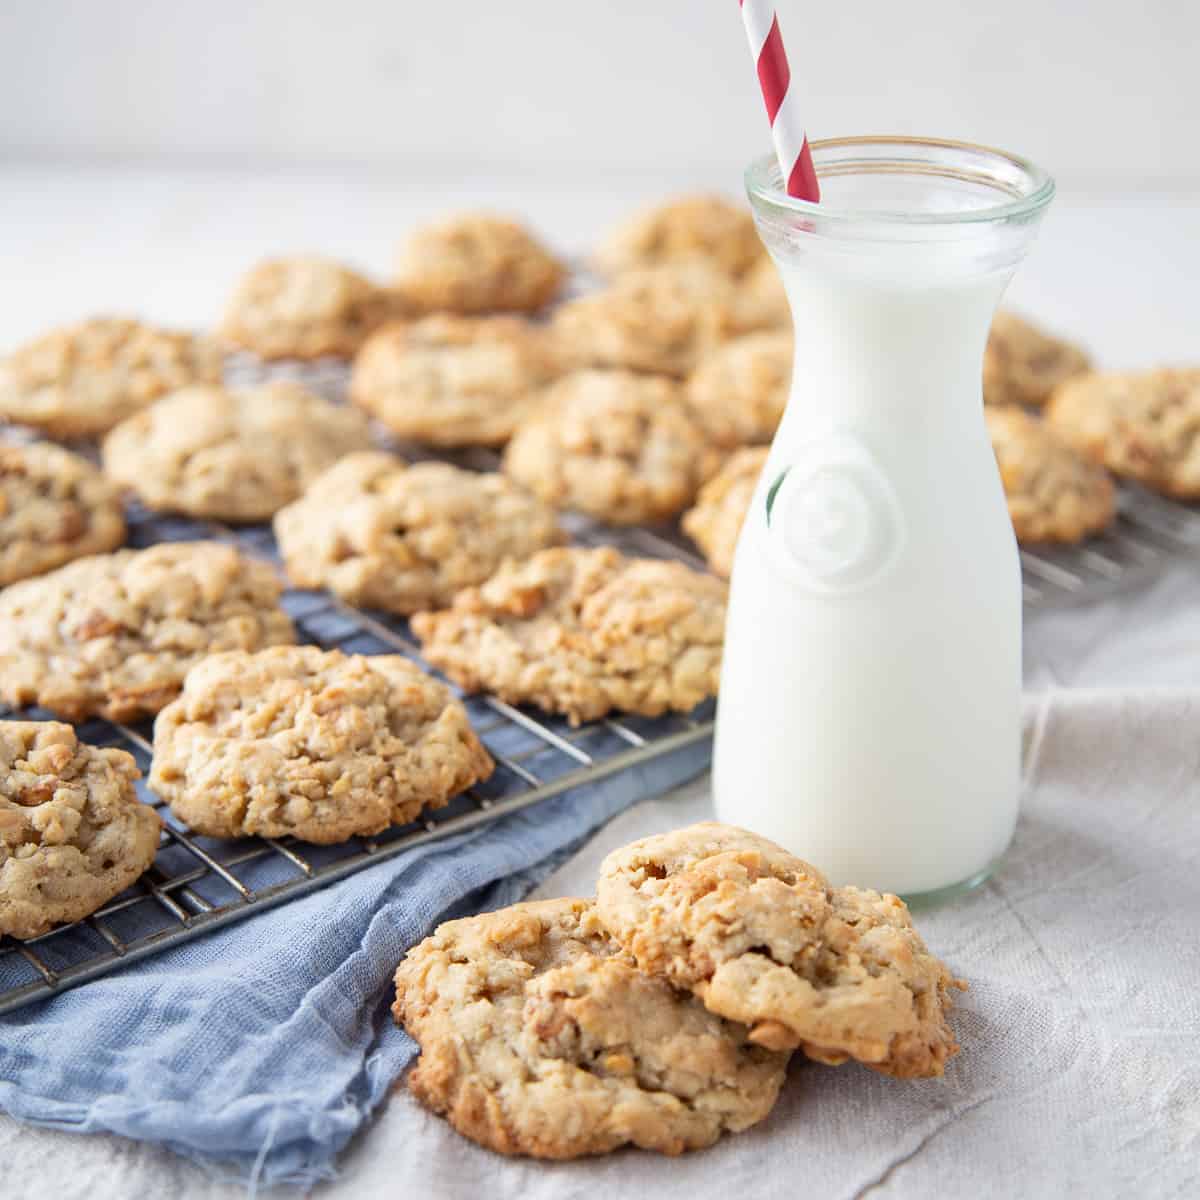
(539, 1038)
(763, 300)
(1023, 365)
(1054, 494)
(81, 380)
(715, 520)
(761, 938)
(54, 506)
(305, 308)
(476, 263)
(739, 392)
(383, 534)
(582, 632)
(231, 456)
(72, 831)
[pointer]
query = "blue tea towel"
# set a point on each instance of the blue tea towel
(262, 1048)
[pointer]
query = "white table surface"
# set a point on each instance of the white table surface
(1117, 271)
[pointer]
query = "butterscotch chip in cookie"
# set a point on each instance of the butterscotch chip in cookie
(538, 1037)
(739, 392)
(1144, 425)
(1054, 494)
(72, 832)
(383, 534)
(617, 445)
(761, 938)
(452, 381)
(305, 308)
(717, 516)
(709, 228)
(115, 634)
(231, 456)
(581, 632)
(81, 380)
(477, 263)
(317, 744)
(54, 506)
(1023, 365)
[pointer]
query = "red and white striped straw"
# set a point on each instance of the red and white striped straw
(783, 111)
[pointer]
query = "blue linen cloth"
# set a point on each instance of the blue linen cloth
(260, 1049)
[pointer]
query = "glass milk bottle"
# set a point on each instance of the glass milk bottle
(870, 704)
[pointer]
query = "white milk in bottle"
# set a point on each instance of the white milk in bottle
(869, 711)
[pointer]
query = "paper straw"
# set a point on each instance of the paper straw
(774, 77)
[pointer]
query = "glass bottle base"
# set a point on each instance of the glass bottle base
(952, 891)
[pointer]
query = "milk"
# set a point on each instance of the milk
(869, 710)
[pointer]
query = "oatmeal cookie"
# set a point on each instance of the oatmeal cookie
(1023, 365)
(317, 744)
(1144, 425)
(761, 937)
(452, 381)
(538, 1037)
(116, 633)
(81, 380)
(663, 319)
(305, 308)
(709, 228)
(54, 506)
(1054, 494)
(383, 534)
(72, 832)
(617, 445)
(477, 263)
(231, 456)
(716, 519)
(582, 632)
(739, 392)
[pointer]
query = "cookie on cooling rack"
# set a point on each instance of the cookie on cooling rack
(1023, 365)
(385, 534)
(583, 632)
(761, 938)
(115, 634)
(475, 263)
(313, 743)
(539, 1037)
(305, 308)
(1053, 493)
(231, 455)
(1143, 425)
(716, 519)
(72, 831)
(739, 392)
(452, 381)
(617, 445)
(81, 380)
(54, 506)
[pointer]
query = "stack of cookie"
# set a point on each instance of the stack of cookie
(664, 1014)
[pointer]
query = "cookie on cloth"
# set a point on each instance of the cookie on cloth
(716, 519)
(1023, 365)
(739, 392)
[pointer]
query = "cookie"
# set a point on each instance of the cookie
(537, 1037)
(72, 832)
(316, 744)
(1053, 493)
(475, 263)
(81, 380)
(1023, 365)
(739, 392)
(716, 519)
(662, 319)
(763, 301)
(1144, 425)
(452, 381)
(761, 938)
(305, 308)
(231, 456)
(115, 634)
(54, 506)
(383, 534)
(709, 228)
(582, 632)
(619, 446)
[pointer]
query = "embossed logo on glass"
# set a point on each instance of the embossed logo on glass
(834, 518)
